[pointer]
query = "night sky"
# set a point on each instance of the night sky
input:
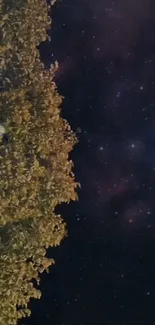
(105, 269)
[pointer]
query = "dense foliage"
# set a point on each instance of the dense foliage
(35, 170)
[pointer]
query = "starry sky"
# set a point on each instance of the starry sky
(105, 269)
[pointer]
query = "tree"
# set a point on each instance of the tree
(35, 170)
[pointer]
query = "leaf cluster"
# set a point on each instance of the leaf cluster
(35, 171)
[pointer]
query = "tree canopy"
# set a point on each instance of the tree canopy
(35, 171)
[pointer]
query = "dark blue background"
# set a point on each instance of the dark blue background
(105, 269)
